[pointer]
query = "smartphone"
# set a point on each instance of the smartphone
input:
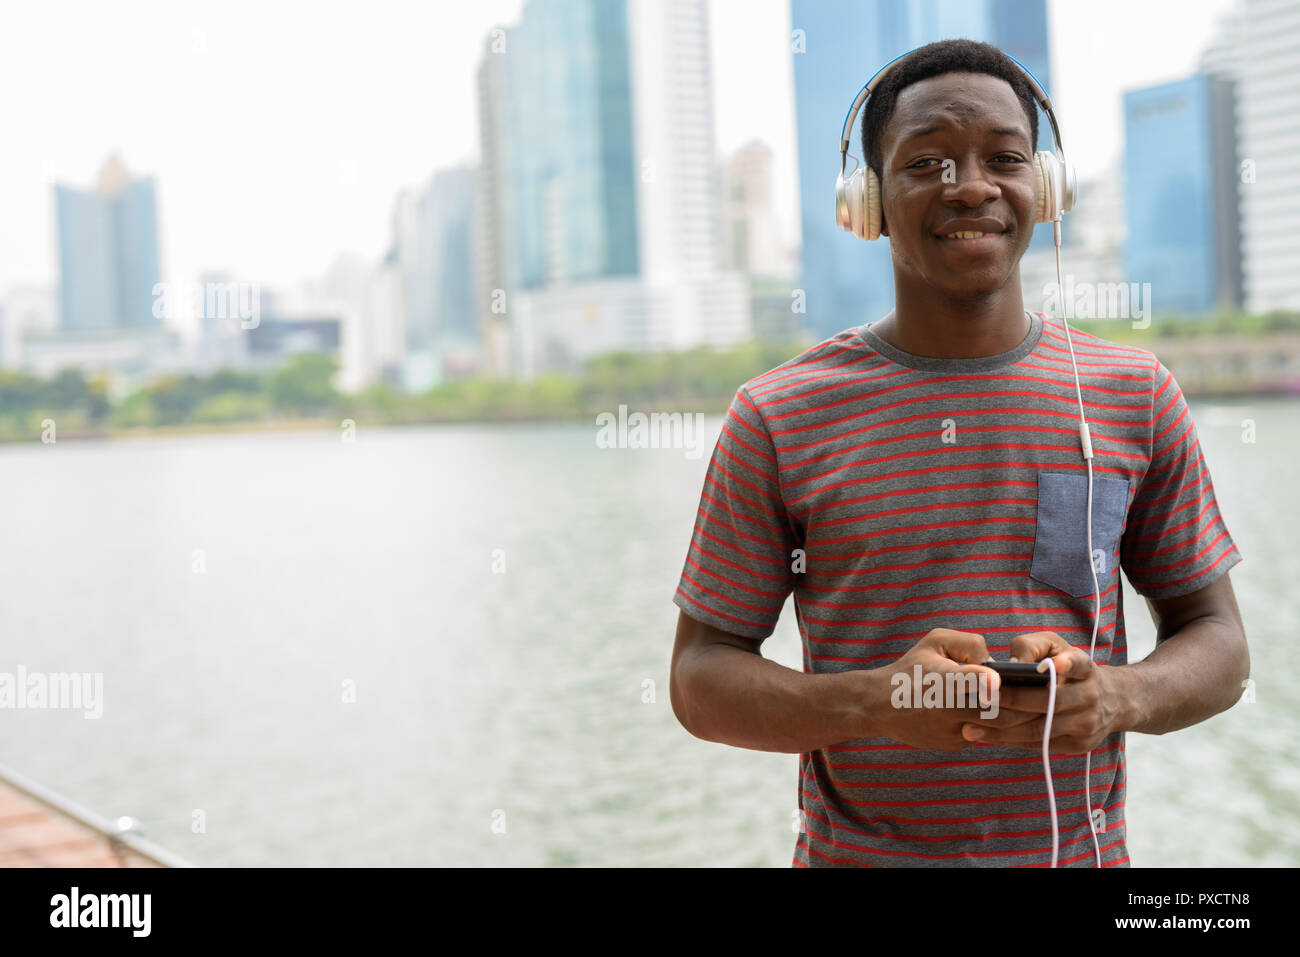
(1018, 672)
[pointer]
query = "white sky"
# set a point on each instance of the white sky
(279, 132)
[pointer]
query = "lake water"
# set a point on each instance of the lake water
(309, 657)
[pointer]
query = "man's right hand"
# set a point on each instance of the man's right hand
(941, 652)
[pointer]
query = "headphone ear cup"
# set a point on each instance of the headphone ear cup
(1055, 186)
(842, 217)
(871, 204)
(857, 203)
(853, 201)
(1043, 187)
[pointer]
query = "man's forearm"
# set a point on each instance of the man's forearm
(1194, 674)
(725, 694)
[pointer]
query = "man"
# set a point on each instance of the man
(918, 484)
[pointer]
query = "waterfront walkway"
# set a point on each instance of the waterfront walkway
(41, 829)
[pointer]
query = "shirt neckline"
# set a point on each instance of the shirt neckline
(971, 364)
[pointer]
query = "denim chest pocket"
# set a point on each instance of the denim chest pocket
(1061, 530)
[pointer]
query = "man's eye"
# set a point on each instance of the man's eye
(1008, 156)
(918, 163)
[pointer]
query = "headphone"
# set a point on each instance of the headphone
(857, 196)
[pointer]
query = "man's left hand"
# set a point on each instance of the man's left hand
(1089, 704)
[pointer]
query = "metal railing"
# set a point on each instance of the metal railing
(121, 835)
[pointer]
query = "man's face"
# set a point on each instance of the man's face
(957, 148)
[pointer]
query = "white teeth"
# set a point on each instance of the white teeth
(965, 235)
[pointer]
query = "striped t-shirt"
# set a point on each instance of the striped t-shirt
(949, 493)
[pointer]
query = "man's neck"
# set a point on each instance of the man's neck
(949, 329)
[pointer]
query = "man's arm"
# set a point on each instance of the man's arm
(722, 689)
(1174, 530)
(1198, 667)
(1195, 672)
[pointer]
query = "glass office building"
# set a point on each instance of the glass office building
(1257, 47)
(571, 190)
(1181, 195)
(108, 253)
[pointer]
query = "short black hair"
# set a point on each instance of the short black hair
(935, 59)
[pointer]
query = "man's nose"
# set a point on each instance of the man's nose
(968, 183)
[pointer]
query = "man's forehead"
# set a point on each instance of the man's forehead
(958, 99)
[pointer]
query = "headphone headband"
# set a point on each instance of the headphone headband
(1036, 88)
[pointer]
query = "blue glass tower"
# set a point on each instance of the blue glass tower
(87, 261)
(1180, 195)
(570, 186)
(136, 212)
(849, 282)
(108, 254)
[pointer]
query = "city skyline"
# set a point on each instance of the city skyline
(257, 213)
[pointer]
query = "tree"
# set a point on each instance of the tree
(67, 390)
(304, 384)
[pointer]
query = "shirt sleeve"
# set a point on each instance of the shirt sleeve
(739, 568)
(1175, 541)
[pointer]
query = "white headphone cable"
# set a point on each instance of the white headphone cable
(1047, 761)
(1085, 443)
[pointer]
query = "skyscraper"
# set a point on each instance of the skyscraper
(384, 345)
(571, 203)
(493, 238)
(435, 248)
(692, 299)
(1181, 194)
(837, 47)
(751, 239)
(1258, 47)
(599, 167)
(108, 253)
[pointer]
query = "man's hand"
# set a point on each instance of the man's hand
(1089, 704)
(941, 652)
